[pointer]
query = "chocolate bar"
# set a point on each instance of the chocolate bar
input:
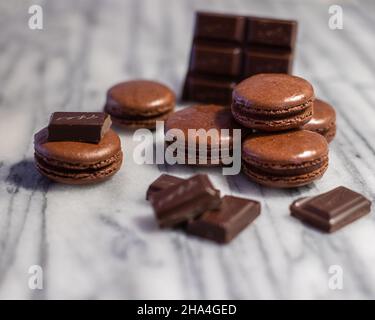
(163, 182)
(185, 201)
(78, 126)
(223, 224)
(229, 48)
(332, 210)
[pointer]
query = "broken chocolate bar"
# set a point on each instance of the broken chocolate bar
(229, 48)
(163, 182)
(185, 201)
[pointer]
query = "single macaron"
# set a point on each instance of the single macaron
(273, 102)
(218, 142)
(74, 162)
(323, 120)
(285, 159)
(139, 103)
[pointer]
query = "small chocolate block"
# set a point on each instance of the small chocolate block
(267, 61)
(272, 32)
(216, 59)
(209, 90)
(78, 126)
(332, 210)
(163, 182)
(219, 26)
(225, 223)
(185, 201)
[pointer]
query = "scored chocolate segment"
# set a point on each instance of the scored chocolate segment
(229, 48)
(220, 27)
(332, 210)
(163, 182)
(225, 223)
(272, 32)
(185, 201)
(78, 126)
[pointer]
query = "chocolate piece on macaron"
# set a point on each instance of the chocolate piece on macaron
(73, 161)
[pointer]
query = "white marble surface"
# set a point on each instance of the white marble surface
(102, 241)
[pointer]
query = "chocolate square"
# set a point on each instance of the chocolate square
(226, 222)
(78, 126)
(332, 210)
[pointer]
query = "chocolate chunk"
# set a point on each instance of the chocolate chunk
(227, 49)
(272, 32)
(332, 210)
(225, 223)
(78, 126)
(163, 182)
(185, 201)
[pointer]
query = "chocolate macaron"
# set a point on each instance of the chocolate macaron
(273, 102)
(139, 103)
(323, 120)
(75, 162)
(285, 159)
(207, 117)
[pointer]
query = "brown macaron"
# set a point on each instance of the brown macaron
(74, 162)
(206, 117)
(285, 159)
(273, 102)
(323, 120)
(139, 103)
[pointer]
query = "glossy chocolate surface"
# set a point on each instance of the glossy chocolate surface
(323, 120)
(272, 92)
(290, 147)
(332, 210)
(139, 97)
(226, 222)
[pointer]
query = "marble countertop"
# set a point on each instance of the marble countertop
(102, 241)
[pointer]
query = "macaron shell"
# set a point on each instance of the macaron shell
(323, 120)
(148, 123)
(285, 181)
(204, 117)
(77, 154)
(273, 91)
(79, 177)
(273, 123)
(290, 147)
(141, 97)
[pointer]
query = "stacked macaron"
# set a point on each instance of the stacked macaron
(289, 146)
